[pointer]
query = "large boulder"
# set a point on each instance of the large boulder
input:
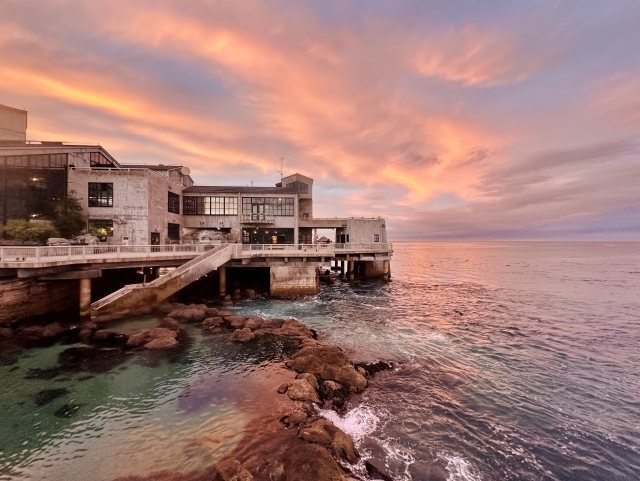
(31, 332)
(242, 335)
(334, 439)
(249, 293)
(161, 343)
(146, 336)
(302, 390)
(330, 363)
(231, 470)
(169, 323)
(236, 321)
(138, 338)
(211, 311)
(103, 335)
(310, 378)
(311, 462)
(254, 322)
(166, 308)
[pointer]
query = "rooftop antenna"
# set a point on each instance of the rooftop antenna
(252, 183)
(281, 171)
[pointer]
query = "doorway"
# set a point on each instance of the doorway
(155, 241)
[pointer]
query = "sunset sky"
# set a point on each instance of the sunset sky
(501, 119)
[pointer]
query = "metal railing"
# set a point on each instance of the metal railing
(375, 246)
(62, 253)
(257, 218)
(321, 248)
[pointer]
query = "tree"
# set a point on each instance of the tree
(24, 231)
(68, 218)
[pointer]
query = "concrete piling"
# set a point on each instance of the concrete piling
(85, 298)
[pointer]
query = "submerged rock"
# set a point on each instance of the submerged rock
(45, 396)
(334, 439)
(377, 470)
(67, 411)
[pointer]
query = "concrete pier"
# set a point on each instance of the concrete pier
(222, 272)
(290, 281)
(85, 298)
(351, 270)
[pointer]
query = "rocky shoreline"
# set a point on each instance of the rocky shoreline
(291, 443)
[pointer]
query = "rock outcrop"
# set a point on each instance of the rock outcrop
(334, 439)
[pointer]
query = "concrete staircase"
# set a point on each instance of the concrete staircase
(134, 296)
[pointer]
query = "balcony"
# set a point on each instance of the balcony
(257, 219)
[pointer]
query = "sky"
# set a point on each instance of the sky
(453, 119)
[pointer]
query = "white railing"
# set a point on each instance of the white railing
(61, 253)
(375, 246)
(321, 248)
(257, 218)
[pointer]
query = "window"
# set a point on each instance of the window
(97, 159)
(174, 203)
(173, 231)
(376, 237)
(101, 228)
(299, 186)
(100, 194)
(281, 206)
(210, 205)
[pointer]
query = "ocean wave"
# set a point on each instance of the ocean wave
(459, 469)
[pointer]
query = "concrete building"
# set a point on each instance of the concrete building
(151, 216)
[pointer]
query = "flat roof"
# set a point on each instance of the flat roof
(151, 166)
(222, 189)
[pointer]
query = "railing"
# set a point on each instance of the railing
(321, 248)
(376, 246)
(177, 272)
(257, 219)
(60, 253)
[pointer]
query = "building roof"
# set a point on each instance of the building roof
(222, 189)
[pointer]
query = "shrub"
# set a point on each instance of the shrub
(24, 231)
(68, 219)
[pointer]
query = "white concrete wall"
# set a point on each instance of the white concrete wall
(159, 215)
(362, 231)
(13, 123)
(291, 281)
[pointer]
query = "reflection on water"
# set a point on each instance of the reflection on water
(516, 361)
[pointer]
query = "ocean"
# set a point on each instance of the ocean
(514, 361)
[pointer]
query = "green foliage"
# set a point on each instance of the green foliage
(68, 218)
(24, 231)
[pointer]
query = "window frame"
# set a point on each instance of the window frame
(173, 203)
(376, 237)
(97, 197)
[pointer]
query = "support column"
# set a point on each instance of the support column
(385, 270)
(223, 281)
(351, 270)
(85, 298)
(341, 268)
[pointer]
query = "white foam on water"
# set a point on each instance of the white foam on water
(459, 469)
(357, 423)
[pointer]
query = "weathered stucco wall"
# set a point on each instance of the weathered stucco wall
(289, 281)
(159, 215)
(22, 298)
(13, 123)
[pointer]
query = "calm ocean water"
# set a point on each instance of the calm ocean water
(516, 361)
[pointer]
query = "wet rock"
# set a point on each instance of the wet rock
(335, 392)
(334, 439)
(361, 371)
(236, 295)
(52, 330)
(226, 301)
(166, 308)
(162, 332)
(161, 343)
(377, 470)
(169, 323)
(45, 396)
(92, 326)
(249, 293)
(31, 332)
(211, 311)
(242, 335)
(138, 338)
(5, 332)
(310, 378)
(254, 322)
(311, 462)
(295, 418)
(302, 390)
(273, 323)
(283, 388)
(85, 334)
(226, 313)
(211, 322)
(330, 363)
(231, 470)
(103, 335)
(121, 338)
(141, 311)
(236, 321)
(293, 328)
(372, 368)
